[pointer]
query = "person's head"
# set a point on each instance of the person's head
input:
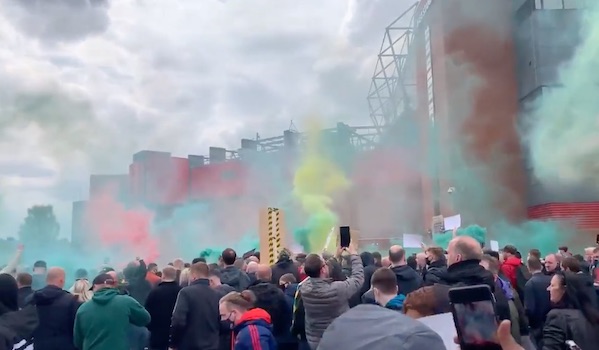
(300, 258)
(39, 267)
(24, 280)
(233, 305)
(81, 274)
(367, 258)
(327, 255)
(411, 262)
(384, 285)
(315, 267)
(185, 277)
(335, 270)
(427, 301)
(264, 273)
(287, 279)
(562, 250)
(214, 276)
(509, 251)
(434, 254)
(385, 262)
(588, 253)
(153, 267)
(492, 253)
(104, 281)
(113, 275)
(534, 252)
(463, 248)
(571, 264)
(551, 263)
(377, 259)
(257, 255)
(490, 264)
(199, 271)
(9, 291)
(56, 277)
(252, 267)
(284, 255)
(81, 289)
(228, 257)
(568, 290)
(197, 260)
(421, 260)
(578, 257)
(240, 264)
(169, 274)
(397, 255)
(534, 264)
(252, 258)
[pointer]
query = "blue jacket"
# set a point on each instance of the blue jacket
(253, 332)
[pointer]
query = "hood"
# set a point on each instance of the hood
(405, 273)
(505, 288)
(253, 316)
(470, 273)
(284, 262)
(513, 261)
(266, 290)
(367, 259)
(48, 295)
(396, 303)
(231, 275)
(104, 296)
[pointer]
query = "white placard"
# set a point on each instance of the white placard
(443, 325)
(494, 246)
(412, 240)
(452, 222)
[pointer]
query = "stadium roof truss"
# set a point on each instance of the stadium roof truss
(392, 85)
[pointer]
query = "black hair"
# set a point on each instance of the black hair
(229, 256)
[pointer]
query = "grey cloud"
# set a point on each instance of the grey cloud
(58, 20)
(25, 169)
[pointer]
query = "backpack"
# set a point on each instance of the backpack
(522, 276)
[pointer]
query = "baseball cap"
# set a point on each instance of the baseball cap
(103, 279)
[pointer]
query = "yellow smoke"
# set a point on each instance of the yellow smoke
(316, 180)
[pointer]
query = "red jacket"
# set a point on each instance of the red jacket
(509, 269)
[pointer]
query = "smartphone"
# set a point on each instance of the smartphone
(344, 236)
(474, 316)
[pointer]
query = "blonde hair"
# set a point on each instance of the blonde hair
(185, 277)
(81, 290)
(244, 300)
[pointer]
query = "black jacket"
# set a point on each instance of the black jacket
(234, 277)
(196, 320)
(369, 269)
(223, 290)
(282, 267)
(568, 324)
(468, 273)
(408, 280)
(536, 299)
(160, 304)
(273, 300)
(17, 325)
(56, 309)
(137, 285)
(24, 293)
(434, 272)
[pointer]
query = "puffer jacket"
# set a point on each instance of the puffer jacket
(324, 300)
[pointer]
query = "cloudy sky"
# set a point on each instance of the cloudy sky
(85, 84)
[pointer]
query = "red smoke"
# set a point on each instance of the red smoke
(121, 229)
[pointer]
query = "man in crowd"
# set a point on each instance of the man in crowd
(214, 276)
(151, 275)
(160, 304)
(104, 322)
(39, 275)
(464, 254)
(137, 285)
(250, 269)
(536, 299)
(571, 264)
(231, 274)
(56, 309)
(273, 300)
(384, 286)
(551, 264)
(284, 265)
(323, 299)
(196, 319)
(510, 265)
(436, 266)
(24, 281)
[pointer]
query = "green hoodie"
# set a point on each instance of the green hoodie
(103, 323)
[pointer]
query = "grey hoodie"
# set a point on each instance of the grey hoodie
(234, 277)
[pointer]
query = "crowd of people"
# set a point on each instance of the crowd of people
(304, 301)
